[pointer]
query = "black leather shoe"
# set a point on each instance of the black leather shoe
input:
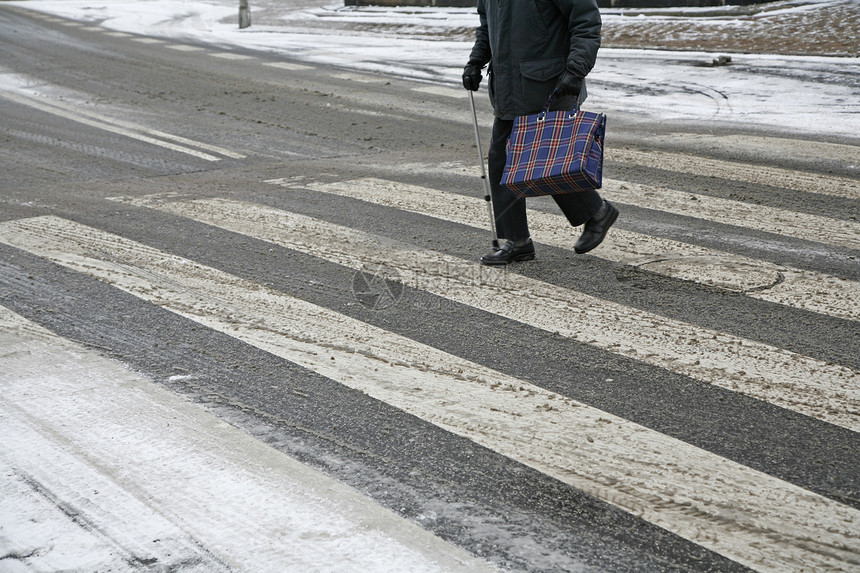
(595, 229)
(508, 253)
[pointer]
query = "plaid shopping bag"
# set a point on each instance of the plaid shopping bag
(555, 152)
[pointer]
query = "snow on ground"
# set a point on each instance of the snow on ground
(809, 94)
(103, 470)
(799, 27)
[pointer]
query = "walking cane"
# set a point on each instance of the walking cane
(487, 196)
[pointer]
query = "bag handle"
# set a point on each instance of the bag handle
(545, 110)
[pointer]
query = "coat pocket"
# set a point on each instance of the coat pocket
(537, 80)
(542, 70)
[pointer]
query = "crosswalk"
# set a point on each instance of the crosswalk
(746, 515)
(799, 383)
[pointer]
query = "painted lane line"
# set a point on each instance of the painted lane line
(775, 176)
(154, 132)
(442, 91)
(361, 78)
(807, 290)
(185, 48)
(118, 34)
(230, 56)
(288, 66)
(149, 40)
(78, 113)
(340, 56)
(789, 380)
(165, 469)
(725, 211)
(105, 126)
(744, 514)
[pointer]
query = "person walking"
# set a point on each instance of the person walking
(535, 49)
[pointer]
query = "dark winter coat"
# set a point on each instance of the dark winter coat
(528, 43)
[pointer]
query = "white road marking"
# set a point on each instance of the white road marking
(139, 463)
(149, 40)
(106, 126)
(762, 175)
(768, 219)
(288, 66)
(154, 132)
(185, 48)
(442, 91)
(744, 514)
(799, 383)
(770, 148)
(92, 28)
(361, 78)
(736, 213)
(808, 290)
(341, 56)
(118, 34)
(230, 56)
(121, 127)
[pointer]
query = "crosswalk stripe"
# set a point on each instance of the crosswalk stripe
(115, 461)
(808, 386)
(724, 211)
(746, 515)
(769, 219)
(767, 147)
(759, 174)
(807, 290)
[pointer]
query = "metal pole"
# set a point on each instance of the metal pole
(487, 196)
(244, 14)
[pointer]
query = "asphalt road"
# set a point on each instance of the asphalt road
(717, 326)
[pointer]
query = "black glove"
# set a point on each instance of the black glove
(472, 76)
(568, 84)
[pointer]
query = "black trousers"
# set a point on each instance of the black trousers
(510, 209)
